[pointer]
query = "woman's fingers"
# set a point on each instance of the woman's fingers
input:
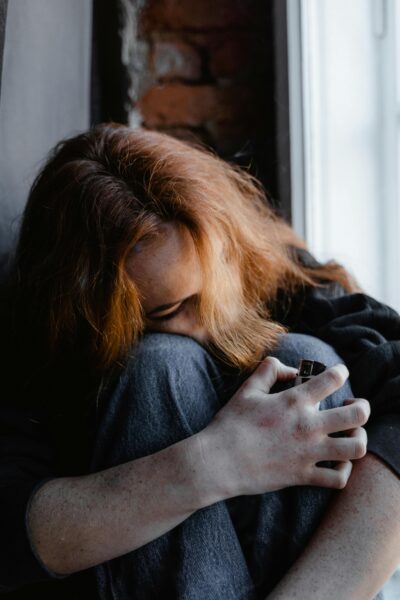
(323, 385)
(318, 388)
(343, 450)
(352, 415)
(351, 447)
(267, 373)
(332, 478)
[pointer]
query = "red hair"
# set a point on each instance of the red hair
(104, 190)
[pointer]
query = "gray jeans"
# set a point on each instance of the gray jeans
(232, 550)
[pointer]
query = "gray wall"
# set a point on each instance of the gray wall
(44, 94)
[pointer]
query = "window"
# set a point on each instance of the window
(344, 96)
(344, 106)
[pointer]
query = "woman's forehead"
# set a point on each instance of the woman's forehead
(166, 269)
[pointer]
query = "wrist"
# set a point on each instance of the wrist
(206, 469)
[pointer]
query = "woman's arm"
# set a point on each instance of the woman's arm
(356, 548)
(79, 522)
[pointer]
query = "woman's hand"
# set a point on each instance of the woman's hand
(260, 442)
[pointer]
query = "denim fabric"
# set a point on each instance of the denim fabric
(232, 550)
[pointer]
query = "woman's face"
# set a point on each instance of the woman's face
(167, 274)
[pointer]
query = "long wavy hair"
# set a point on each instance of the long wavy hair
(103, 191)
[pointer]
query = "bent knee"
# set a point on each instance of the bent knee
(166, 349)
(296, 346)
(163, 395)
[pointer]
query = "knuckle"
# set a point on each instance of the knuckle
(357, 413)
(367, 405)
(343, 452)
(293, 398)
(251, 399)
(312, 479)
(360, 413)
(360, 448)
(271, 360)
(310, 476)
(341, 480)
(365, 408)
(245, 391)
(246, 399)
(271, 363)
(304, 427)
(334, 378)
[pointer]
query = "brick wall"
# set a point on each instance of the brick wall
(208, 73)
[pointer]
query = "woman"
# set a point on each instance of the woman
(127, 231)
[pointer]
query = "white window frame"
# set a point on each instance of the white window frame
(306, 150)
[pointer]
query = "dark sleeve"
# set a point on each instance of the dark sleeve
(366, 334)
(26, 462)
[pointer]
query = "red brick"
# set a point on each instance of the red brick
(202, 14)
(234, 55)
(176, 60)
(177, 104)
(238, 56)
(173, 105)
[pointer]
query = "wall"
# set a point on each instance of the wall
(208, 73)
(44, 95)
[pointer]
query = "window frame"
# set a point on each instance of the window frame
(306, 151)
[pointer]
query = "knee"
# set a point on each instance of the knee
(165, 392)
(170, 366)
(162, 349)
(164, 354)
(295, 346)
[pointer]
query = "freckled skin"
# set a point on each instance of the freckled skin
(165, 270)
